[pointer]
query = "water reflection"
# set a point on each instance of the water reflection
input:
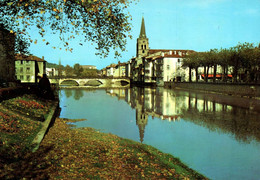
(78, 93)
(68, 92)
(215, 135)
(204, 110)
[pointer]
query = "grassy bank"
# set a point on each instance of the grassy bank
(20, 120)
(69, 153)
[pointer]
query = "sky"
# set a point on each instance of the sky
(198, 25)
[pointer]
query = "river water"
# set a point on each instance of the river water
(213, 137)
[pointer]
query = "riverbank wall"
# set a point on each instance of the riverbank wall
(241, 90)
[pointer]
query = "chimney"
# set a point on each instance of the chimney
(42, 57)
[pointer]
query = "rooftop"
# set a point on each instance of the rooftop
(29, 58)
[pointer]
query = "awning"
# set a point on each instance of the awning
(217, 75)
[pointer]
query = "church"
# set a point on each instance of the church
(156, 66)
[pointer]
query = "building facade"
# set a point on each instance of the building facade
(29, 68)
(88, 67)
(156, 66)
(152, 66)
(120, 70)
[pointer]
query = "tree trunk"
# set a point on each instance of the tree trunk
(197, 76)
(205, 74)
(226, 74)
(235, 72)
(223, 73)
(215, 73)
(190, 74)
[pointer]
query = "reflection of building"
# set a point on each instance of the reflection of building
(141, 121)
(197, 108)
(29, 67)
(119, 93)
(166, 104)
(159, 102)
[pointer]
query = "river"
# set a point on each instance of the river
(219, 140)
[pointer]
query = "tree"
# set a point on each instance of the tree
(69, 71)
(188, 63)
(77, 69)
(105, 23)
(224, 58)
(89, 73)
(192, 61)
(256, 64)
(59, 69)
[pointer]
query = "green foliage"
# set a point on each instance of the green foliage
(53, 65)
(77, 69)
(69, 70)
(89, 73)
(243, 58)
(105, 23)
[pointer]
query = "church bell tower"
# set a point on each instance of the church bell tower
(142, 46)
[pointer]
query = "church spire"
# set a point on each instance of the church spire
(142, 45)
(142, 32)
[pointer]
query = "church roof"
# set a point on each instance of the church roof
(142, 32)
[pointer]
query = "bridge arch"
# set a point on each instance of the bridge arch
(69, 82)
(93, 82)
(122, 82)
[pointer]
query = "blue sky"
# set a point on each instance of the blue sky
(198, 25)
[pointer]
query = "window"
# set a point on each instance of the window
(28, 78)
(21, 70)
(179, 60)
(168, 67)
(21, 62)
(143, 51)
(144, 46)
(28, 70)
(21, 77)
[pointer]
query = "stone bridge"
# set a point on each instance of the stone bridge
(97, 82)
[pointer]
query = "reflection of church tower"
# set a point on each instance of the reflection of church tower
(142, 46)
(141, 121)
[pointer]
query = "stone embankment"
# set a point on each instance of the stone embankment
(241, 90)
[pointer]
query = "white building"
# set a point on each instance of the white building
(51, 72)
